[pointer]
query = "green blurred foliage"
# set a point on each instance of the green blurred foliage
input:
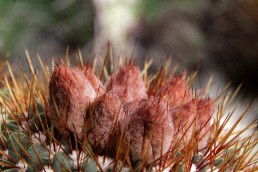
(152, 10)
(19, 19)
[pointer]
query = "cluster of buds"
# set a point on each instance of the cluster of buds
(124, 116)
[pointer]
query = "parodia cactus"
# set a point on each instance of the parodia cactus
(126, 121)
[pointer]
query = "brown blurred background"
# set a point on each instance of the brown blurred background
(219, 36)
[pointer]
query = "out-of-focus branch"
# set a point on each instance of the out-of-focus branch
(114, 19)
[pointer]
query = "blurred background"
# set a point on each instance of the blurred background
(220, 37)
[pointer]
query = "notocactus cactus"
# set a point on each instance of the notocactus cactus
(38, 157)
(150, 123)
(18, 144)
(62, 162)
(89, 165)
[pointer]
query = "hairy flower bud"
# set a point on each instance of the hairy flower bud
(128, 84)
(103, 117)
(204, 109)
(94, 80)
(191, 118)
(70, 94)
(184, 119)
(149, 128)
(175, 91)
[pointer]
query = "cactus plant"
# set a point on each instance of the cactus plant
(134, 122)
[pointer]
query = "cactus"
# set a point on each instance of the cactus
(137, 122)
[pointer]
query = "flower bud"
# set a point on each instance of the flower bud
(192, 118)
(204, 109)
(149, 128)
(94, 80)
(128, 84)
(103, 118)
(175, 91)
(70, 94)
(184, 119)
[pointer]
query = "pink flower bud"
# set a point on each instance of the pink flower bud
(128, 84)
(94, 80)
(175, 91)
(184, 118)
(194, 117)
(149, 128)
(204, 109)
(70, 94)
(103, 118)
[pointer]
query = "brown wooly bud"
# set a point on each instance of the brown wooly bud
(175, 91)
(193, 116)
(103, 117)
(149, 129)
(94, 80)
(184, 118)
(70, 94)
(205, 109)
(127, 83)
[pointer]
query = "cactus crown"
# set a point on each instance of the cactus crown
(135, 122)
